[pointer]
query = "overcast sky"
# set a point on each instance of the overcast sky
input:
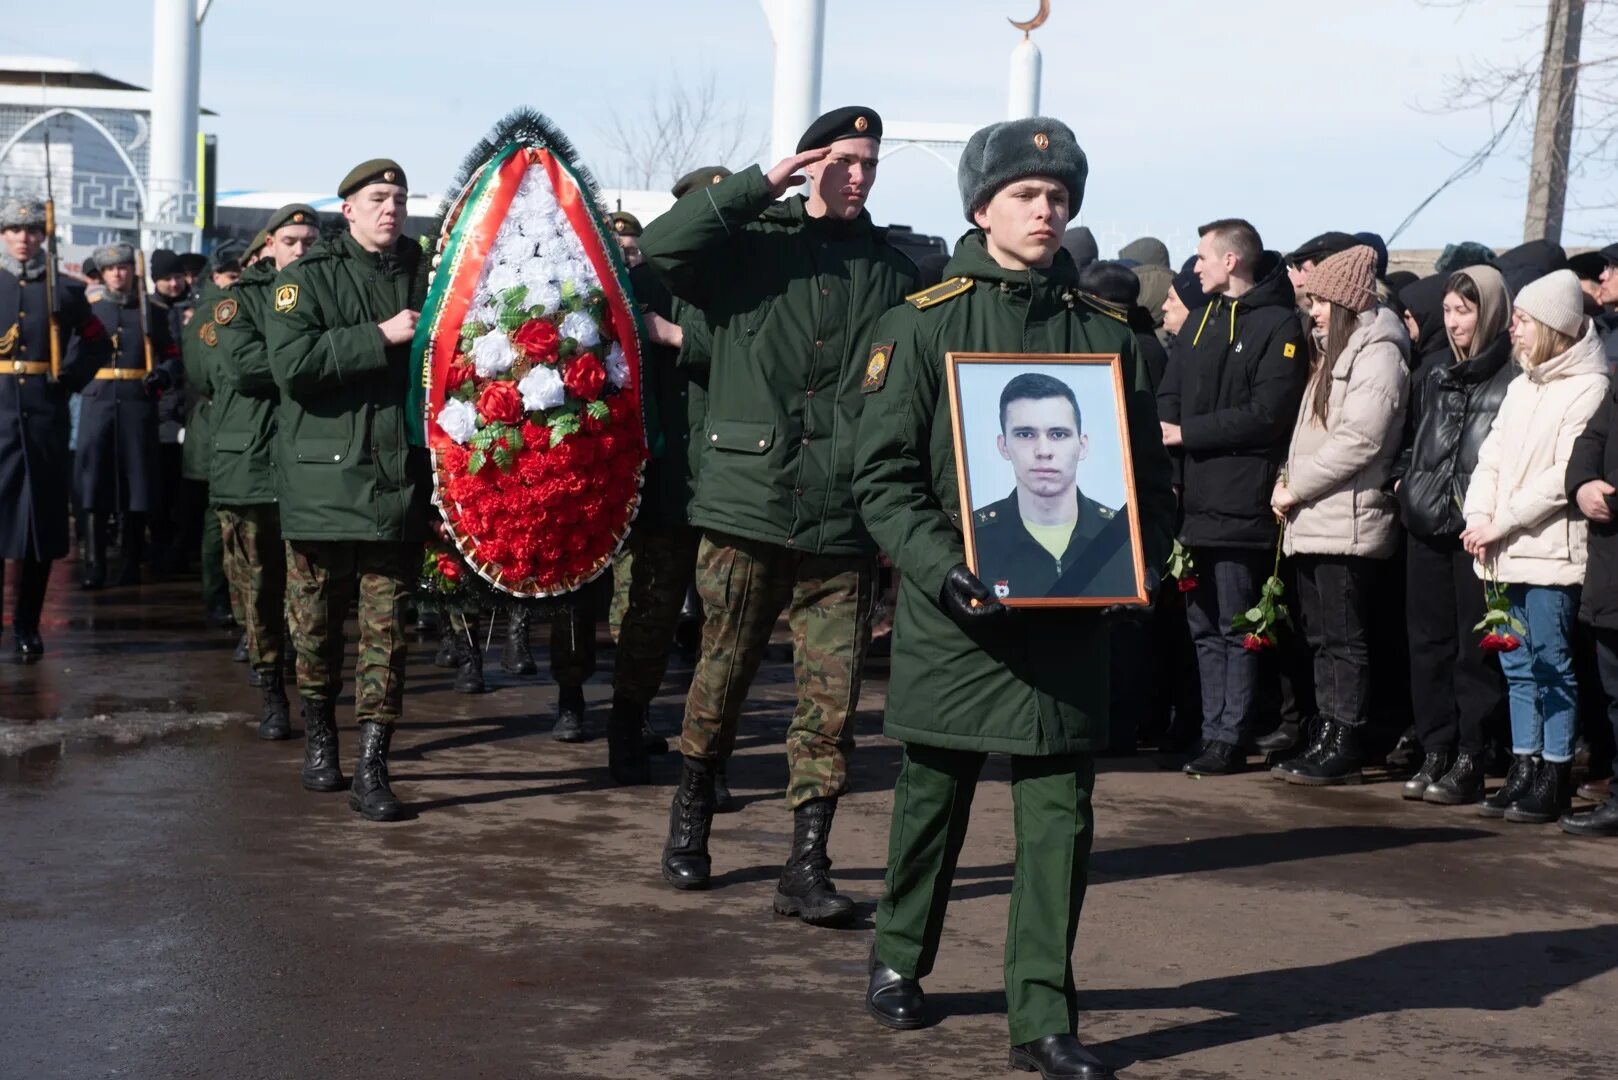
(1301, 115)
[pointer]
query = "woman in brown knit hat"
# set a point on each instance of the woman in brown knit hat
(1340, 520)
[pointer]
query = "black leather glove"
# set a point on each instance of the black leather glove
(156, 381)
(961, 589)
(1153, 580)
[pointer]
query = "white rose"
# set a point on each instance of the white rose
(458, 419)
(617, 365)
(545, 295)
(542, 389)
(492, 354)
(581, 328)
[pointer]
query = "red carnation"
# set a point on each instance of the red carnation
(501, 402)
(538, 340)
(585, 377)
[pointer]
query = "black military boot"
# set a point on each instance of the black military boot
(370, 794)
(449, 644)
(93, 572)
(1602, 821)
(1462, 785)
(275, 724)
(1217, 759)
(1549, 798)
(1059, 1057)
(322, 770)
(723, 801)
(656, 745)
(32, 577)
(1338, 764)
(893, 1000)
(1316, 733)
(805, 888)
(517, 657)
(569, 725)
(1433, 767)
(685, 853)
(626, 753)
(131, 548)
(1518, 781)
(469, 669)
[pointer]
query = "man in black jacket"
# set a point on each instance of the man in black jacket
(1227, 404)
(1590, 475)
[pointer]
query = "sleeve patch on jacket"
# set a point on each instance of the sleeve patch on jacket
(876, 368)
(1289, 350)
(224, 311)
(286, 298)
(209, 334)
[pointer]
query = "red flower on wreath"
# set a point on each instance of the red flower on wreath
(501, 402)
(538, 340)
(457, 376)
(585, 377)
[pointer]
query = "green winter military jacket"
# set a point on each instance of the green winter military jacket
(196, 358)
(346, 470)
(244, 394)
(1035, 681)
(790, 301)
(675, 383)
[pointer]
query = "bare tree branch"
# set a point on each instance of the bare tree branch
(684, 126)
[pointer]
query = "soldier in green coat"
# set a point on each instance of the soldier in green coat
(970, 676)
(242, 476)
(353, 491)
(791, 292)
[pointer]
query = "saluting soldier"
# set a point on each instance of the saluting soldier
(791, 291)
(116, 467)
(242, 472)
(970, 676)
(35, 463)
(1047, 538)
(353, 492)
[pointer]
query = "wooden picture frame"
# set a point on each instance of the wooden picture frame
(1101, 563)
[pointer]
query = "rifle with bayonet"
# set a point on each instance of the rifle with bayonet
(145, 315)
(53, 301)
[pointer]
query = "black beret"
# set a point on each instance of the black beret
(294, 214)
(165, 263)
(1017, 149)
(375, 171)
(1589, 265)
(849, 122)
(624, 223)
(696, 178)
(1319, 247)
(1610, 253)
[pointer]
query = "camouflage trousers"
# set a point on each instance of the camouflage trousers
(662, 563)
(623, 574)
(324, 577)
(256, 567)
(745, 584)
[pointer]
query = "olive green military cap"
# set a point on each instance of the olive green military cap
(1015, 150)
(255, 245)
(375, 171)
(697, 178)
(849, 122)
(294, 214)
(624, 223)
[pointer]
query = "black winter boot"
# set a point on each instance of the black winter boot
(685, 854)
(1217, 759)
(93, 572)
(1338, 764)
(322, 770)
(1433, 767)
(1602, 821)
(469, 669)
(275, 723)
(805, 889)
(1311, 754)
(131, 548)
(656, 744)
(723, 801)
(626, 753)
(1518, 782)
(569, 725)
(449, 644)
(1549, 798)
(1461, 786)
(517, 657)
(1283, 739)
(370, 794)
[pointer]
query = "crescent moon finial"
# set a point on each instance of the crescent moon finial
(1037, 21)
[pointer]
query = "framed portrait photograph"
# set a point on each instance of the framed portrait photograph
(1047, 484)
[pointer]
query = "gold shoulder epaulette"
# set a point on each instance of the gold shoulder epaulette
(947, 289)
(1106, 307)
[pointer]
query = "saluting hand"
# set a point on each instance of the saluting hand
(400, 329)
(1592, 498)
(786, 175)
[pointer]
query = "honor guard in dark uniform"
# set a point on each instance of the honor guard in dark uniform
(353, 493)
(116, 468)
(35, 463)
(970, 676)
(791, 291)
(242, 469)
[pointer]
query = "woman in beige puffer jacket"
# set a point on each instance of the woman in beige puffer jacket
(1339, 520)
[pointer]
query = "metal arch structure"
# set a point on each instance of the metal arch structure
(97, 126)
(941, 142)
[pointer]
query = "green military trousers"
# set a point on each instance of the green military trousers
(323, 578)
(744, 585)
(216, 588)
(662, 562)
(932, 801)
(256, 565)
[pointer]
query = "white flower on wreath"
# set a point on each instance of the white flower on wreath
(617, 365)
(492, 354)
(581, 328)
(458, 419)
(545, 295)
(541, 389)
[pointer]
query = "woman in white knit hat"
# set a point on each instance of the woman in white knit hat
(1340, 519)
(1524, 534)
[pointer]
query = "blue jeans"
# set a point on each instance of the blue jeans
(1539, 675)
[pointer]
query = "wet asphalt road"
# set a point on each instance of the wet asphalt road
(173, 904)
